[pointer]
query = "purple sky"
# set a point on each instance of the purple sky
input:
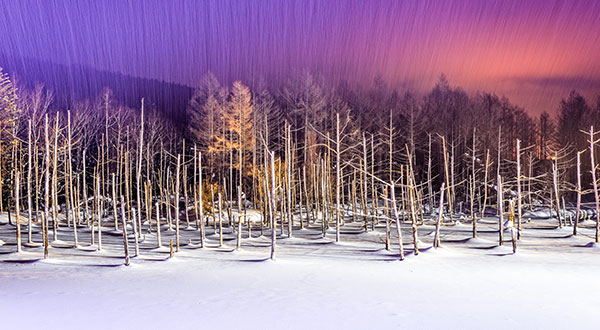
(534, 52)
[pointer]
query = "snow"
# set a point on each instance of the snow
(551, 282)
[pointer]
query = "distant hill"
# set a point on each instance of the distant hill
(77, 82)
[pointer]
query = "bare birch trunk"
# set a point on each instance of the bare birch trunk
(200, 205)
(46, 191)
(518, 189)
(177, 202)
(438, 223)
(139, 171)
(158, 238)
(473, 182)
(447, 174)
(124, 223)
(556, 194)
(485, 183)
(114, 201)
(272, 213)
(18, 210)
(135, 232)
(429, 178)
(577, 212)
(220, 222)
(595, 184)
(398, 229)
(29, 179)
(238, 243)
(55, 182)
(99, 210)
(500, 213)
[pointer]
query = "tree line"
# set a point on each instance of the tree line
(303, 154)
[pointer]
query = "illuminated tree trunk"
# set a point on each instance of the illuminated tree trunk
(500, 213)
(99, 210)
(18, 210)
(577, 212)
(158, 237)
(29, 179)
(595, 184)
(438, 223)
(139, 172)
(124, 223)
(338, 179)
(272, 205)
(46, 191)
(177, 202)
(473, 182)
(55, 182)
(200, 204)
(556, 192)
(397, 217)
(518, 189)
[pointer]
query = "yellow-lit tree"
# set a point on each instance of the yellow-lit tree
(236, 134)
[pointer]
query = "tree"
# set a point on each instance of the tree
(203, 110)
(9, 114)
(546, 131)
(237, 133)
(574, 115)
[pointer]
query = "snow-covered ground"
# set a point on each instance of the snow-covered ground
(551, 282)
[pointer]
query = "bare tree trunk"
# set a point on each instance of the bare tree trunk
(397, 217)
(139, 172)
(185, 196)
(452, 193)
(500, 213)
(447, 177)
(555, 184)
(125, 242)
(99, 210)
(272, 205)
(530, 175)
(84, 190)
(301, 203)
(46, 192)
(288, 174)
(577, 213)
(485, 183)
(324, 221)
(55, 182)
(309, 208)
(71, 195)
(220, 223)
(365, 192)
(595, 184)
(200, 206)
(518, 189)
(177, 202)
(438, 223)
(158, 238)
(18, 210)
(114, 201)
(473, 182)
(29, 179)
(412, 201)
(374, 196)
(238, 243)
(338, 178)
(512, 227)
(429, 179)
(135, 232)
